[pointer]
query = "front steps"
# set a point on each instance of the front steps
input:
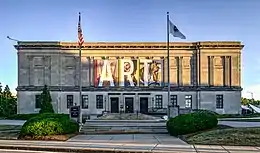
(124, 127)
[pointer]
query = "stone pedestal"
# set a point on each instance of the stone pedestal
(173, 111)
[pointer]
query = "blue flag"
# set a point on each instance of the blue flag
(175, 31)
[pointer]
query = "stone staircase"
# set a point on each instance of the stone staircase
(124, 127)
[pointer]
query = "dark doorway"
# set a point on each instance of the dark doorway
(129, 105)
(114, 104)
(144, 105)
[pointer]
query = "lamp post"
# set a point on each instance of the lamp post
(8, 37)
(17, 41)
(252, 94)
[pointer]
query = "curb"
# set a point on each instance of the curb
(73, 149)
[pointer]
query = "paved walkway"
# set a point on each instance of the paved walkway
(247, 118)
(240, 123)
(12, 122)
(129, 138)
(121, 147)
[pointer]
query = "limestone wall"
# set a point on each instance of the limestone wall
(212, 64)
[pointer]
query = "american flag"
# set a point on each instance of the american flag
(80, 34)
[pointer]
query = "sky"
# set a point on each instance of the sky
(132, 20)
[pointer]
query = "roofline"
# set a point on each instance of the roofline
(128, 45)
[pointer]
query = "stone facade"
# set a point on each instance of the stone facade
(203, 75)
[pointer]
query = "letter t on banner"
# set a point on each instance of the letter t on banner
(171, 29)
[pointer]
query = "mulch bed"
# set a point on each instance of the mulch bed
(50, 138)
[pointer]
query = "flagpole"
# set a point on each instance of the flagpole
(80, 83)
(168, 66)
(80, 86)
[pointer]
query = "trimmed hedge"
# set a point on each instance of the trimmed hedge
(48, 124)
(190, 123)
(206, 111)
(28, 116)
(21, 116)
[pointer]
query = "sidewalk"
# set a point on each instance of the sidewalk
(12, 122)
(120, 147)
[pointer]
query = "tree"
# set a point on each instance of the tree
(7, 93)
(8, 103)
(245, 101)
(0, 88)
(46, 106)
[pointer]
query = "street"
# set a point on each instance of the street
(24, 151)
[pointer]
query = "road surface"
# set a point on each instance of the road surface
(25, 151)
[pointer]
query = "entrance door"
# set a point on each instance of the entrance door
(129, 105)
(144, 105)
(114, 104)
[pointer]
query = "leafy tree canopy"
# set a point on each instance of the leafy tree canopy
(8, 103)
(246, 101)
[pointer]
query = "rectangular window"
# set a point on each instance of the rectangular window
(188, 101)
(37, 101)
(99, 101)
(219, 101)
(69, 101)
(85, 101)
(174, 100)
(158, 101)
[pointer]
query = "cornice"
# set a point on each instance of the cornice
(125, 89)
(128, 45)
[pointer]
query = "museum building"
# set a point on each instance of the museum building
(130, 77)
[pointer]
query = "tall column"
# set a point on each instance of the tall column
(198, 67)
(89, 71)
(179, 70)
(227, 70)
(236, 69)
(92, 71)
(211, 70)
(162, 69)
(165, 70)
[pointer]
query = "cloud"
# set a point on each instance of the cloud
(255, 89)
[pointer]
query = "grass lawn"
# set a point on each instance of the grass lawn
(226, 136)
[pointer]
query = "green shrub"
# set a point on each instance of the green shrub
(206, 111)
(21, 116)
(190, 123)
(48, 124)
